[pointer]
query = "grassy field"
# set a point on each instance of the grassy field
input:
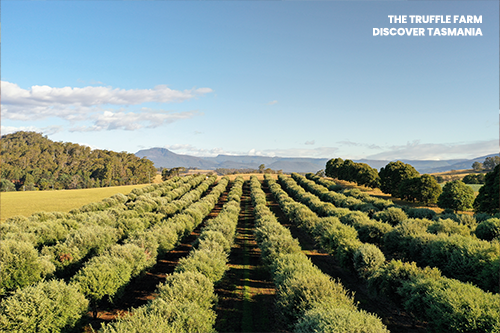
(455, 174)
(475, 187)
(29, 202)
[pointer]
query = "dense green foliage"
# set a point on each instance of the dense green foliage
(185, 301)
(90, 234)
(360, 173)
(489, 229)
(393, 174)
(443, 302)
(448, 305)
(474, 178)
(424, 189)
(456, 196)
(20, 265)
(184, 304)
(169, 173)
(32, 161)
(50, 306)
(488, 199)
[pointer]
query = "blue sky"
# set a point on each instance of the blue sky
(275, 78)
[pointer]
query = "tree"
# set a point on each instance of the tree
(456, 195)
(366, 175)
(261, 168)
(347, 171)
(474, 179)
(488, 199)
(491, 162)
(333, 166)
(409, 188)
(320, 173)
(477, 166)
(102, 276)
(6, 185)
(393, 174)
(169, 173)
(429, 190)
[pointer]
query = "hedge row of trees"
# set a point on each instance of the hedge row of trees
(332, 235)
(30, 161)
(450, 247)
(58, 243)
(309, 300)
(459, 256)
(185, 301)
(109, 267)
(448, 305)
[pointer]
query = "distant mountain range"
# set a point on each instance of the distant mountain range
(162, 157)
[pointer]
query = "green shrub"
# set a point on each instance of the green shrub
(102, 276)
(391, 215)
(148, 241)
(451, 306)
(211, 236)
(49, 306)
(302, 291)
(20, 265)
(400, 239)
(184, 304)
(212, 264)
(489, 229)
(330, 319)
(138, 258)
(389, 278)
(287, 265)
(480, 217)
(467, 220)
(465, 259)
(420, 213)
(276, 243)
(373, 232)
(449, 227)
(367, 259)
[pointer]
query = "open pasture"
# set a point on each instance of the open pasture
(29, 202)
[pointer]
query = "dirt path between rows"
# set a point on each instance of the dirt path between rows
(246, 293)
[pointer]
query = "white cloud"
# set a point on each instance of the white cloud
(73, 104)
(272, 102)
(358, 144)
(193, 151)
(433, 151)
(49, 130)
(132, 121)
(310, 143)
(320, 152)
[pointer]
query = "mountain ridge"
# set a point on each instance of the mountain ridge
(165, 158)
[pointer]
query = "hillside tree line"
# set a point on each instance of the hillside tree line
(31, 161)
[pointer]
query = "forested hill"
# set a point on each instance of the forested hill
(30, 161)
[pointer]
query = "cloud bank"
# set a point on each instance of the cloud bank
(435, 151)
(94, 105)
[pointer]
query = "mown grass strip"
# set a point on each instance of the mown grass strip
(246, 319)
